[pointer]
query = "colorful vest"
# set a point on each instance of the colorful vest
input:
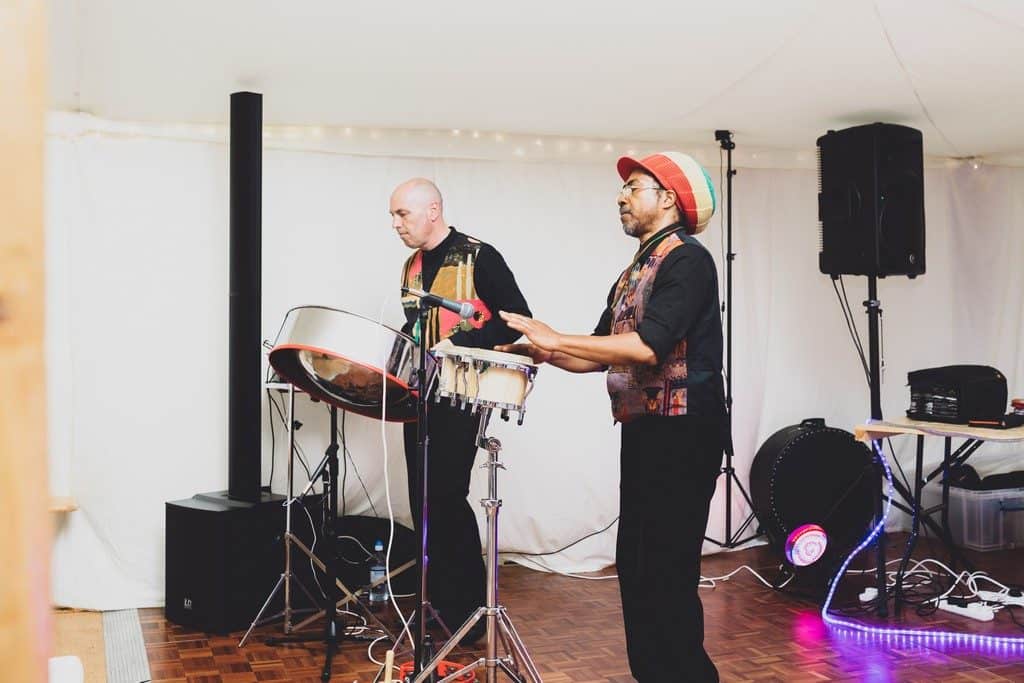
(637, 390)
(454, 280)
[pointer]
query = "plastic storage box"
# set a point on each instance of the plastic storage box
(980, 520)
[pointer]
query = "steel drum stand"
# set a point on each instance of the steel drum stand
(498, 622)
(290, 540)
(287, 576)
(331, 636)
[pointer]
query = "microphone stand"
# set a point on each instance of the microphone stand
(421, 652)
(422, 451)
(422, 648)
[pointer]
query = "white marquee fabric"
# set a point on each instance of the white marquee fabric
(779, 73)
(138, 305)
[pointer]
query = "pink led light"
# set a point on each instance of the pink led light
(945, 637)
(806, 544)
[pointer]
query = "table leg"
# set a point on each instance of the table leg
(915, 523)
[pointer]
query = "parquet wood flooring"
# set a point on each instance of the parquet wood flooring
(573, 630)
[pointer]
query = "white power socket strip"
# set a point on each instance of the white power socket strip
(1002, 598)
(974, 610)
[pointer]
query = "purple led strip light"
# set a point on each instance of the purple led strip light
(945, 636)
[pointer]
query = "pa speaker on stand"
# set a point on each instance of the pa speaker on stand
(871, 209)
(871, 201)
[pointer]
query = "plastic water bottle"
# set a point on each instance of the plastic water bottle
(378, 570)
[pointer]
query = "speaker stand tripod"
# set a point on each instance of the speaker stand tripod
(499, 625)
(732, 539)
(873, 308)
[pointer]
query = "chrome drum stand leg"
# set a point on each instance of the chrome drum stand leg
(288, 576)
(499, 625)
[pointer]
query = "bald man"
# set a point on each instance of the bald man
(455, 266)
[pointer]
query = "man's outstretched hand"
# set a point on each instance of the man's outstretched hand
(537, 354)
(540, 334)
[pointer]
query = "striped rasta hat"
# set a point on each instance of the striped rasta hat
(695, 195)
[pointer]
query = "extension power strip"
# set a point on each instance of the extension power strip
(974, 610)
(1002, 598)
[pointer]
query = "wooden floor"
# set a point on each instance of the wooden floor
(573, 630)
(80, 634)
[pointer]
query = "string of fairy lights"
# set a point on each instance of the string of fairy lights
(456, 143)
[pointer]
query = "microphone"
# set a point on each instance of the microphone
(464, 310)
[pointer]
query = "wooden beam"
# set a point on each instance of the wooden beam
(25, 524)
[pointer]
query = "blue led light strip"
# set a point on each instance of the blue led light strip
(943, 636)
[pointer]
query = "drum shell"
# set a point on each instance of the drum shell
(813, 474)
(484, 378)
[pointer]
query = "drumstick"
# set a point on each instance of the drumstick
(389, 663)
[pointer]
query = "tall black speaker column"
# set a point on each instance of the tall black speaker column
(221, 550)
(246, 213)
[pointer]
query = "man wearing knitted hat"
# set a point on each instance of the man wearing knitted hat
(660, 341)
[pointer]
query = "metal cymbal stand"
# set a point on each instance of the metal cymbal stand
(499, 625)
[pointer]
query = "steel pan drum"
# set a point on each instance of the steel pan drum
(342, 358)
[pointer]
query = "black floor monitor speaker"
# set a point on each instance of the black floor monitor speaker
(223, 557)
(871, 201)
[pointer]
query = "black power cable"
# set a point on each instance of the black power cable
(851, 326)
(569, 545)
(273, 444)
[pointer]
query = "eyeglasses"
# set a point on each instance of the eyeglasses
(628, 190)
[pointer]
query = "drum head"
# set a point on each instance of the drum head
(347, 360)
(485, 355)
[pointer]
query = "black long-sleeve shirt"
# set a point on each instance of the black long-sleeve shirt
(495, 285)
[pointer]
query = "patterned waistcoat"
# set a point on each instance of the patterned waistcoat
(637, 390)
(454, 280)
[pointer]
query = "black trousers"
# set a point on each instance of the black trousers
(456, 579)
(669, 468)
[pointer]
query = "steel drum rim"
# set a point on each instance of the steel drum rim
(354, 315)
(316, 349)
(314, 321)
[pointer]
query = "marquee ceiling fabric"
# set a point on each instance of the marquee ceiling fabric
(778, 74)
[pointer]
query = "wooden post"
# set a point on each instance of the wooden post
(25, 526)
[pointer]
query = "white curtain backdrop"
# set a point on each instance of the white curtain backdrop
(138, 317)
